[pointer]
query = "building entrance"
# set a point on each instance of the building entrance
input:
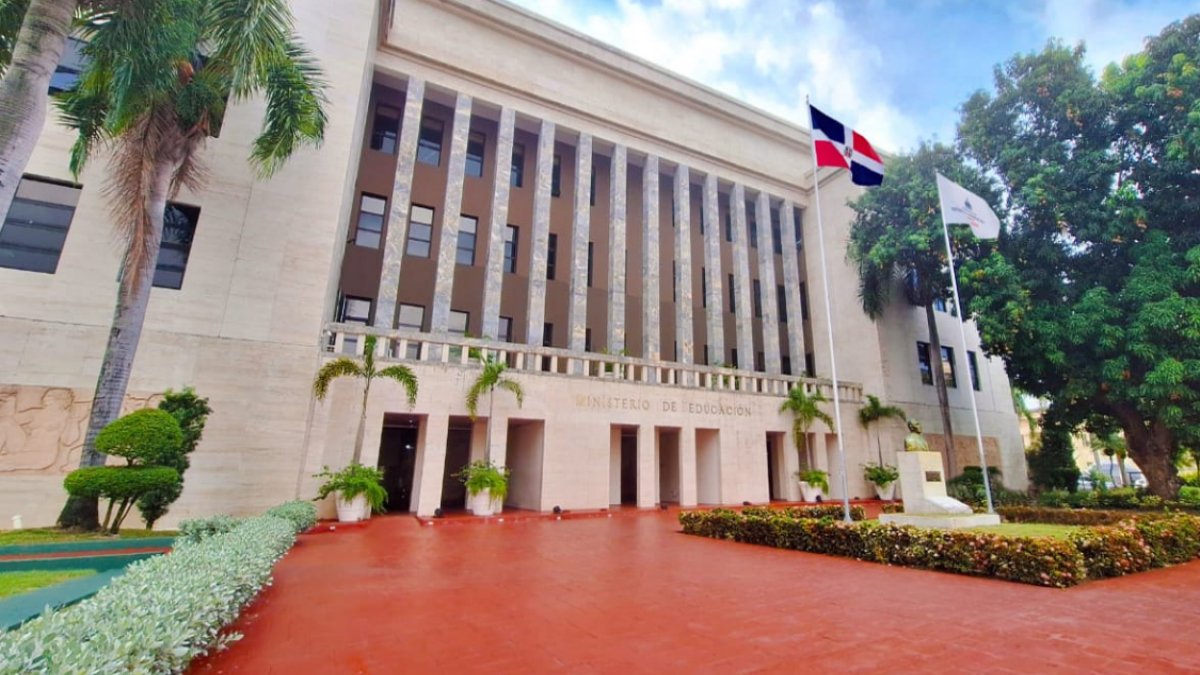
(397, 459)
(458, 455)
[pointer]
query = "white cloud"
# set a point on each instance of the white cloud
(1111, 30)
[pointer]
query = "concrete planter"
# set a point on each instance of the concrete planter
(888, 493)
(352, 510)
(482, 504)
(810, 493)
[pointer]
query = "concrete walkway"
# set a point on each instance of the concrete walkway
(630, 594)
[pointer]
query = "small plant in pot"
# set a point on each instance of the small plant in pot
(358, 490)
(487, 486)
(813, 484)
(884, 478)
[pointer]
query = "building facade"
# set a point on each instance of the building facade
(638, 248)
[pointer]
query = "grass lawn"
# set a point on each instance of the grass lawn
(51, 535)
(1028, 530)
(15, 583)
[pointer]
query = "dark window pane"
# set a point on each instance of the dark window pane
(752, 224)
(354, 310)
(923, 363)
(728, 226)
(776, 234)
(179, 228)
(785, 365)
(556, 177)
(420, 231)
(810, 365)
(369, 229)
(429, 142)
(803, 300)
(35, 228)
(386, 129)
(948, 369)
(510, 249)
(781, 302)
(517, 178)
(591, 252)
(467, 230)
(67, 73)
(475, 144)
(732, 297)
(974, 365)
(798, 225)
(552, 256)
(505, 332)
(757, 299)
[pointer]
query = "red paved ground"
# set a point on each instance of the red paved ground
(631, 594)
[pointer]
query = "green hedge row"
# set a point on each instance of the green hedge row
(834, 511)
(1119, 498)
(162, 612)
(1131, 544)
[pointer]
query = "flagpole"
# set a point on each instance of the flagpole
(962, 328)
(837, 399)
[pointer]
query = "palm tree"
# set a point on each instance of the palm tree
(33, 36)
(1113, 446)
(345, 367)
(158, 77)
(875, 411)
(805, 410)
(491, 377)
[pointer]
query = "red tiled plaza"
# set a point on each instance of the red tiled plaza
(631, 593)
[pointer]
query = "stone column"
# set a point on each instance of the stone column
(540, 241)
(741, 278)
(431, 465)
(712, 263)
(439, 317)
(651, 333)
(616, 250)
(401, 201)
(819, 444)
(498, 448)
(647, 467)
(766, 276)
(580, 233)
(791, 464)
(683, 265)
(494, 275)
(687, 464)
(791, 286)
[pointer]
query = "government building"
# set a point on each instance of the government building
(641, 250)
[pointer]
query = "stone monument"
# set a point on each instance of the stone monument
(923, 490)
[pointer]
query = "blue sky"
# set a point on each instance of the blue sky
(894, 70)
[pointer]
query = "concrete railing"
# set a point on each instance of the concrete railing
(406, 345)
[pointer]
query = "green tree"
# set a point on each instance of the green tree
(1052, 457)
(491, 378)
(191, 412)
(158, 77)
(1093, 296)
(897, 239)
(805, 409)
(875, 411)
(1112, 446)
(367, 371)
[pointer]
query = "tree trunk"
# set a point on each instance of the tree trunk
(879, 446)
(123, 338)
(24, 90)
(362, 425)
(1124, 472)
(939, 383)
(487, 449)
(1152, 446)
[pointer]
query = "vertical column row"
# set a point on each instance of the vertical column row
(683, 265)
(580, 231)
(713, 281)
(791, 286)
(650, 290)
(766, 277)
(397, 231)
(741, 278)
(616, 250)
(443, 286)
(494, 275)
(541, 235)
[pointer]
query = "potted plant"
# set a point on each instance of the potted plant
(487, 486)
(358, 490)
(884, 478)
(813, 484)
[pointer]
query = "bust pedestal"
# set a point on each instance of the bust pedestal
(923, 484)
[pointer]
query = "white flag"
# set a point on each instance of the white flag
(961, 206)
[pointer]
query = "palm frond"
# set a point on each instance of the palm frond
(405, 377)
(331, 371)
(515, 388)
(248, 36)
(295, 114)
(12, 15)
(824, 417)
(472, 399)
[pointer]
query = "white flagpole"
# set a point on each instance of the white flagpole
(837, 399)
(962, 328)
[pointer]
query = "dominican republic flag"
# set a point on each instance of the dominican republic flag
(829, 141)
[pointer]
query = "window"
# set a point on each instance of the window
(733, 358)
(475, 143)
(459, 321)
(785, 365)
(591, 253)
(943, 305)
(556, 177)
(797, 224)
(803, 301)
(760, 362)
(703, 287)
(510, 249)
(354, 310)
(386, 129)
(412, 317)
(420, 231)
(592, 196)
(706, 355)
(517, 177)
(468, 228)
(505, 332)
(732, 297)
(587, 339)
(701, 220)
(552, 256)
(973, 364)
(429, 142)
(67, 73)
(757, 299)
(371, 211)
(781, 303)
(925, 363)
(674, 283)
(179, 228)
(776, 233)
(939, 305)
(547, 334)
(810, 365)
(728, 226)
(753, 230)
(35, 228)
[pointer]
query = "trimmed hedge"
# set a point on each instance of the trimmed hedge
(1055, 516)
(196, 530)
(159, 615)
(834, 511)
(147, 436)
(302, 514)
(118, 482)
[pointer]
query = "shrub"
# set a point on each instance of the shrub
(195, 530)
(1189, 495)
(120, 485)
(159, 615)
(1054, 498)
(1190, 479)
(893, 508)
(1112, 551)
(1172, 539)
(882, 475)
(352, 481)
(816, 478)
(191, 412)
(834, 511)
(1041, 514)
(302, 515)
(143, 437)
(482, 475)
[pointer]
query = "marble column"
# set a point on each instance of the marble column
(791, 464)
(766, 276)
(494, 274)
(683, 265)
(741, 279)
(651, 302)
(443, 286)
(616, 250)
(647, 466)
(431, 465)
(401, 201)
(687, 465)
(714, 280)
(580, 233)
(791, 286)
(540, 241)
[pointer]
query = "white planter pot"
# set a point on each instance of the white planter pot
(810, 492)
(481, 503)
(888, 493)
(352, 510)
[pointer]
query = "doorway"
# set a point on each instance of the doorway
(398, 459)
(458, 455)
(777, 474)
(668, 466)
